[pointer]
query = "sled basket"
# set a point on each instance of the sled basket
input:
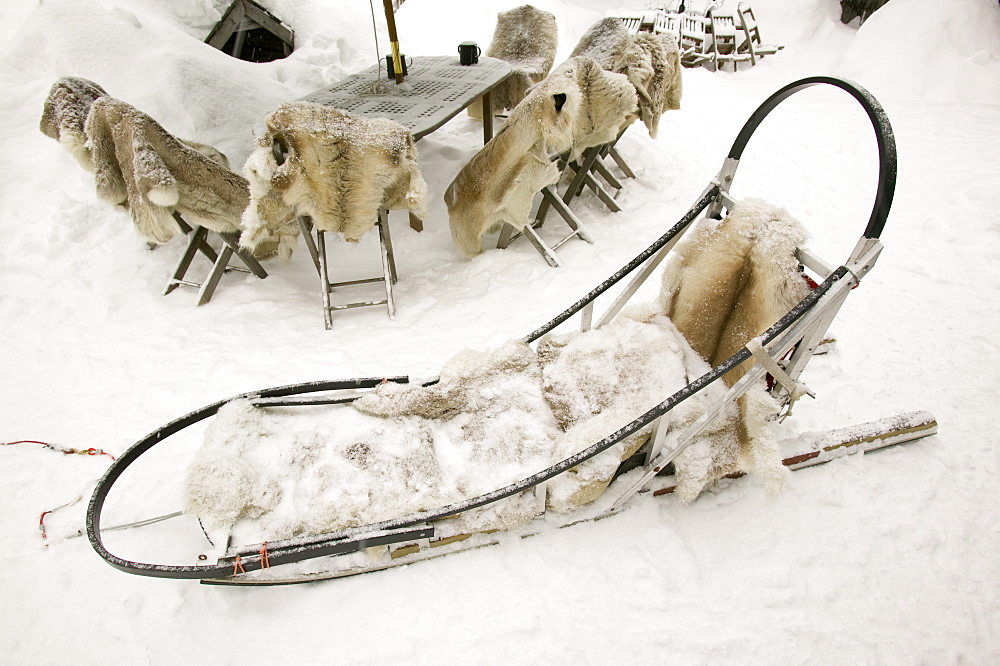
(781, 352)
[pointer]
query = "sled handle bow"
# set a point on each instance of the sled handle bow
(883, 135)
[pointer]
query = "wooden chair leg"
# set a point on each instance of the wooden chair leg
(389, 276)
(212, 281)
(567, 215)
(196, 241)
(550, 257)
(388, 262)
(506, 233)
(324, 278)
(232, 241)
(305, 224)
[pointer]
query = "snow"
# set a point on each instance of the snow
(886, 558)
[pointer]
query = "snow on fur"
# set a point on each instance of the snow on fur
(491, 419)
(340, 170)
(527, 39)
(139, 164)
(65, 113)
(577, 106)
(727, 282)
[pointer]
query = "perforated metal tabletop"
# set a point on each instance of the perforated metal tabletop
(434, 91)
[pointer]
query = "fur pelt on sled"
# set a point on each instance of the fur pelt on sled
(340, 169)
(493, 418)
(527, 38)
(577, 106)
(651, 62)
(399, 450)
(139, 164)
(727, 282)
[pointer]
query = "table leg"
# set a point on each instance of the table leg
(487, 117)
(416, 223)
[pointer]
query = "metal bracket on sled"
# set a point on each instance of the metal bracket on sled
(723, 180)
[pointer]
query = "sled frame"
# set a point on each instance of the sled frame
(800, 330)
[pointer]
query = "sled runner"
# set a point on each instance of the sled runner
(678, 442)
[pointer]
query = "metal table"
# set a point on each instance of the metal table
(435, 90)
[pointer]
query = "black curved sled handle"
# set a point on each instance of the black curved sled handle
(883, 134)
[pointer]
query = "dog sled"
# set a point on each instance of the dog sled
(649, 453)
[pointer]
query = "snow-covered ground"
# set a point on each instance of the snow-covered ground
(887, 558)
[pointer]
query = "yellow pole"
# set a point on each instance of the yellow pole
(397, 61)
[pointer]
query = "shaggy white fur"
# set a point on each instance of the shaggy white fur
(340, 169)
(139, 164)
(496, 417)
(400, 450)
(601, 380)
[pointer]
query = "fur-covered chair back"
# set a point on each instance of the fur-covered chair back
(527, 38)
(65, 113)
(728, 282)
(651, 62)
(139, 164)
(577, 106)
(338, 168)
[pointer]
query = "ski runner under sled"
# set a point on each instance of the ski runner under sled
(780, 352)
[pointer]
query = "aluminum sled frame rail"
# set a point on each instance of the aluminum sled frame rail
(800, 330)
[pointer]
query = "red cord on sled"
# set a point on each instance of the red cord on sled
(85, 452)
(41, 518)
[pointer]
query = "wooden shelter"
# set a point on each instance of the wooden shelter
(249, 32)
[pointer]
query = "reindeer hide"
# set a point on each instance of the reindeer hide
(577, 106)
(340, 169)
(141, 165)
(65, 113)
(527, 38)
(651, 62)
(727, 283)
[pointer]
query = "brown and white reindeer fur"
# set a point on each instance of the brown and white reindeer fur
(728, 282)
(139, 164)
(65, 113)
(651, 62)
(577, 106)
(340, 169)
(527, 38)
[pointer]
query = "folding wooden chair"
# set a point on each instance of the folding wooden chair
(315, 240)
(752, 44)
(198, 242)
(632, 22)
(345, 181)
(695, 42)
(668, 24)
(725, 40)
